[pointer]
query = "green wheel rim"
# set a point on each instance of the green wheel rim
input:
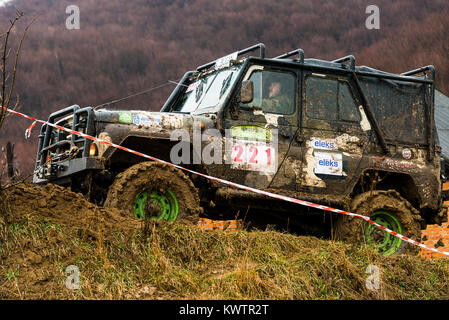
(166, 201)
(386, 243)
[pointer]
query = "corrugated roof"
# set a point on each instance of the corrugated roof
(442, 121)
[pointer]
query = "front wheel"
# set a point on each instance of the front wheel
(155, 191)
(388, 209)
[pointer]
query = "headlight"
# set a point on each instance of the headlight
(93, 151)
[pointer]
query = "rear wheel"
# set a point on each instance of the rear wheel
(388, 209)
(155, 191)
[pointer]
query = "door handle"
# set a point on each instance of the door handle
(285, 133)
(299, 138)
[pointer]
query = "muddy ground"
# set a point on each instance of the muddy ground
(43, 230)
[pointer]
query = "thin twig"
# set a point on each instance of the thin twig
(4, 58)
(13, 80)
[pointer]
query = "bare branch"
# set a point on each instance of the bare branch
(13, 80)
(4, 56)
(8, 79)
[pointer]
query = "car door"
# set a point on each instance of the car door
(334, 135)
(260, 132)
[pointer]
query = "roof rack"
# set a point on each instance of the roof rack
(349, 58)
(259, 46)
(421, 70)
(351, 66)
(300, 52)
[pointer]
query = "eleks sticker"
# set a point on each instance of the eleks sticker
(330, 163)
(324, 144)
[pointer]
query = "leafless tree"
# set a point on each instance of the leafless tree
(8, 66)
(8, 77)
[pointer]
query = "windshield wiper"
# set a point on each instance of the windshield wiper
(225, 85)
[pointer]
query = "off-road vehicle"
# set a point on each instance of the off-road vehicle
(342, 135)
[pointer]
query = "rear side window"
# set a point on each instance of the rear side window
(400, 108)
(330, 99)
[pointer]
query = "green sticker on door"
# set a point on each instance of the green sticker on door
(253, 133)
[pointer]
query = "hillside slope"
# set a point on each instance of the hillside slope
(43, 230)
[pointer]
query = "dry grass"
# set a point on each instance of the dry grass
(45, 230)
(180, 262)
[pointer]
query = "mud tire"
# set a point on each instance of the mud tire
(142, 176)
(352, 229)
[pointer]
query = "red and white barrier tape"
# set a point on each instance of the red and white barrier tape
(28, 131)
(236, 185)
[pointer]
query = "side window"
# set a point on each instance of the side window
(274, 91)
(321, 102)
(348, 110)
(330, 99)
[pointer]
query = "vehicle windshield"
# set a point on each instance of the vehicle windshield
(207, 93)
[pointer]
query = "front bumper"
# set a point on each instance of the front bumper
(52, 173)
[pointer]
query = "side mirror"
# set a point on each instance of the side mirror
(247, 92)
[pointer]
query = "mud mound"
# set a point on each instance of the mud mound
(43, 229)
(63, 206)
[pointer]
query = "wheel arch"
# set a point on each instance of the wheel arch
(159, 148)
(404, 184)
(118, 160)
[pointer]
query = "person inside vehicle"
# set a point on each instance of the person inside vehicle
(277, 101)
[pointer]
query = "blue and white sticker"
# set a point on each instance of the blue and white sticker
(329, 163)
(140, 119)
(324, 144)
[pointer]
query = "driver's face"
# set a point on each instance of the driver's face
(274, 89)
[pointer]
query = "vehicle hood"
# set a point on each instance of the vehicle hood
(149, 119)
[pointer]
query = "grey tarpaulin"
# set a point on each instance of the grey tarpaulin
(442, 121)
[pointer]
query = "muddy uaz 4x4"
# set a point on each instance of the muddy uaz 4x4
(337, 134)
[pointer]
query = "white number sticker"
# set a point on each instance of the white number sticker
(253, 157)
(225, 61)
